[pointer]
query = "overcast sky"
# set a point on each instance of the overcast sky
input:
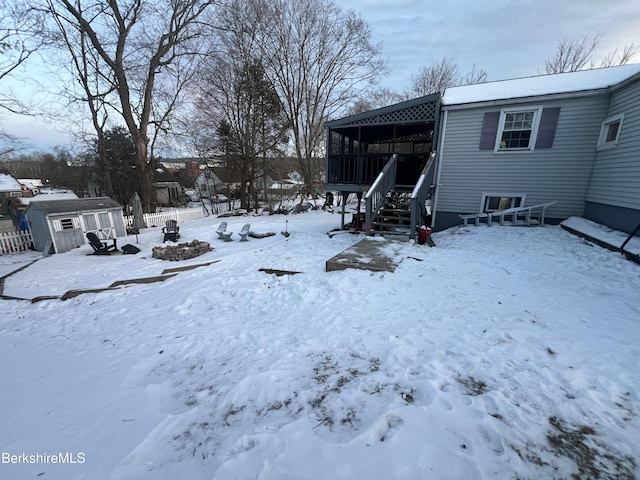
(508, 39)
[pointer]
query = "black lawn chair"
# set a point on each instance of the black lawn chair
(101, 248)
(171, 230)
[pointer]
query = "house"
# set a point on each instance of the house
(60, 225)
(573, 138)
(208, 184)
(9, 188)
(534, 140)
(167, 188)
(31, 186)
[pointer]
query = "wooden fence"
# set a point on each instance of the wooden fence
(160, 218)
(15, 242)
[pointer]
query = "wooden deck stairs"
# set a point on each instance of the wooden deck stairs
(394, 217)
(393, 209)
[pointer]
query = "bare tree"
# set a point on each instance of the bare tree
(17, 45)
(577, 54)
(434, 78)
(124, 55)
(473, 76)
(236, 100)
(439, 76)
(319, 58)
(376, 98)
(614, 58)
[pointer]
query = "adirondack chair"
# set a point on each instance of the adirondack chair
(171, 230)
(221, 229)
(100, 248)
(244, 232)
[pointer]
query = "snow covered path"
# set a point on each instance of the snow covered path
(501, 353)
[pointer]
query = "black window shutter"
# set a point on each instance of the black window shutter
(489, 130)
(547, 128)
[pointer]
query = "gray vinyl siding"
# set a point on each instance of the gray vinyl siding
(616, 174)
(560, 173)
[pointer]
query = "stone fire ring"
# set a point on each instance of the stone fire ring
(181, 251)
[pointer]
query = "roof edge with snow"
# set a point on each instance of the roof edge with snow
(540, 85)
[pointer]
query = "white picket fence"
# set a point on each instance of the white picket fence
(160, 218)
(15, 242)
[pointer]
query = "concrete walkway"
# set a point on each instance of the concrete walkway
(377, 254)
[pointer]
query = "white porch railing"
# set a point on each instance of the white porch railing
(160, 218)
(15, 242)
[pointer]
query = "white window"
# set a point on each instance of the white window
(518, 129)
(493, 202)
(610, 131)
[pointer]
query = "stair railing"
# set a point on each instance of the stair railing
(376, 194)
(419, 196)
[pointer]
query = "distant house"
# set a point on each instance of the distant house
(9, 187)
(573, 138)
(61, 225)
(167, 188)
(208, 184)
(30, 186)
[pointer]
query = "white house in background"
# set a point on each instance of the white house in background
(208, 184)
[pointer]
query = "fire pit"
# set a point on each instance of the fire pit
(182, 251)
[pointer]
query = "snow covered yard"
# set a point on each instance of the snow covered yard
(502, 353)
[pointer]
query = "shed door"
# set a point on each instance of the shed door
(100, 224)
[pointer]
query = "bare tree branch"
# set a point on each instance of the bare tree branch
(579, 54)
(439, 76)
(319, 58)
(130, 59)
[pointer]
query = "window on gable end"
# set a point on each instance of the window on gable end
(610, 131)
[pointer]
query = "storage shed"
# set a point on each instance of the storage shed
(61, 225)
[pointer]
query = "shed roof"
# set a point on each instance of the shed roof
(584, 80)
(74, 205)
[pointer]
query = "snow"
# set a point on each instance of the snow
(594, 79)
(602, 233)
(8, 183)
(503, 352)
